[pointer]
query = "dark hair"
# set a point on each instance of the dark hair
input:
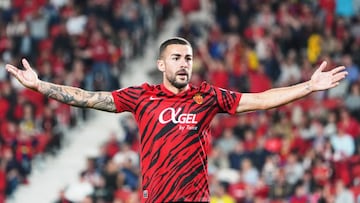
(174, 40)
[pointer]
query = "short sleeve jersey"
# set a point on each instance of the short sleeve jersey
(174, 137)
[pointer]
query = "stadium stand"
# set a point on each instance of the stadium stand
(307, 151)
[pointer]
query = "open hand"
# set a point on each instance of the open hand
(26, 77)
(325, 80)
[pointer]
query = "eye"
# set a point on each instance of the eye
(176, 58)
(189, 59)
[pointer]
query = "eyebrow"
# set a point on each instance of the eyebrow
(187, 55)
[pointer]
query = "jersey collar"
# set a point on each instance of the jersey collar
(167, 92)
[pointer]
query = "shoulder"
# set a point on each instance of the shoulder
(205, 87)
(150, 87)
(137, 88)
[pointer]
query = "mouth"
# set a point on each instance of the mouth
(182, 73)
(182, 77)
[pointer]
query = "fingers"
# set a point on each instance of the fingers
(12, 69)
(338, 69)
(339, 76)
(322, 67)
(334, 84)
(26, 64)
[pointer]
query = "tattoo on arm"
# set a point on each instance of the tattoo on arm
(78, 97)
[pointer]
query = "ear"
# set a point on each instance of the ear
(161, 65)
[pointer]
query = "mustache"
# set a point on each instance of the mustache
(182, 72)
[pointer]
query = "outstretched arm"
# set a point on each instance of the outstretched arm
(66, 94)
(320, 80)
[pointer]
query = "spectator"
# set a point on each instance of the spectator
(309, 128)
(342, 194)
(293, 169)
(98, 52)
(280, 189)
(189, 30)
(350, 125)
(126, 156)
(50, 126)
(290, 71)
(112, 146)
(259, 80)
(16, 29)
(238, 155)
(227, 142)
(14, 178)
(343, 145)
(113, 179)
(300, 195)
(320, 139)
(233, 25)
(353, 69)
(220, 194)
(79, 190)
(102, 159)
(250, 142)
(91, 174)
(75, 21)
(131, 174)
(327, 194)
(259, 154)
(217, 160)
(38, 25)
(308, 182)
(131, 135)
(249, 174)
(330, 127)
(329, 42)
(352, 101)
(265, 18)
(269, 170)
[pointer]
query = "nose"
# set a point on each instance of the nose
(184, 63)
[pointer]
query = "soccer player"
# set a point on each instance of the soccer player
(174, 117)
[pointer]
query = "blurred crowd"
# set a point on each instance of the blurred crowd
(85, 44)
(306, 151)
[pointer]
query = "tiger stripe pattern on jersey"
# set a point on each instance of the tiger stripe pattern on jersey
(175, 137)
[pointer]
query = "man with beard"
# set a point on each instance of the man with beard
(174, 117)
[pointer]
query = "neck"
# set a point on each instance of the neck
(174, 89)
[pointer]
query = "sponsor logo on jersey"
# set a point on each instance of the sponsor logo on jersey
(173, 115)
(155, 98)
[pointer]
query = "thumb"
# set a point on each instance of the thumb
(26, 64)
(321, 67)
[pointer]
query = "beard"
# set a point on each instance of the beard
(177, 83)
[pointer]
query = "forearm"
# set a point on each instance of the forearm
(273, 98)
(283, 95)
(77, 97)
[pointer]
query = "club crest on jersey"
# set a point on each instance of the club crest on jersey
(198, 98)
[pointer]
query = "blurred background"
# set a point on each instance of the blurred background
(306, 151)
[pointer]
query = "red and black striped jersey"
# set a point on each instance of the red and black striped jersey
(175, 137)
